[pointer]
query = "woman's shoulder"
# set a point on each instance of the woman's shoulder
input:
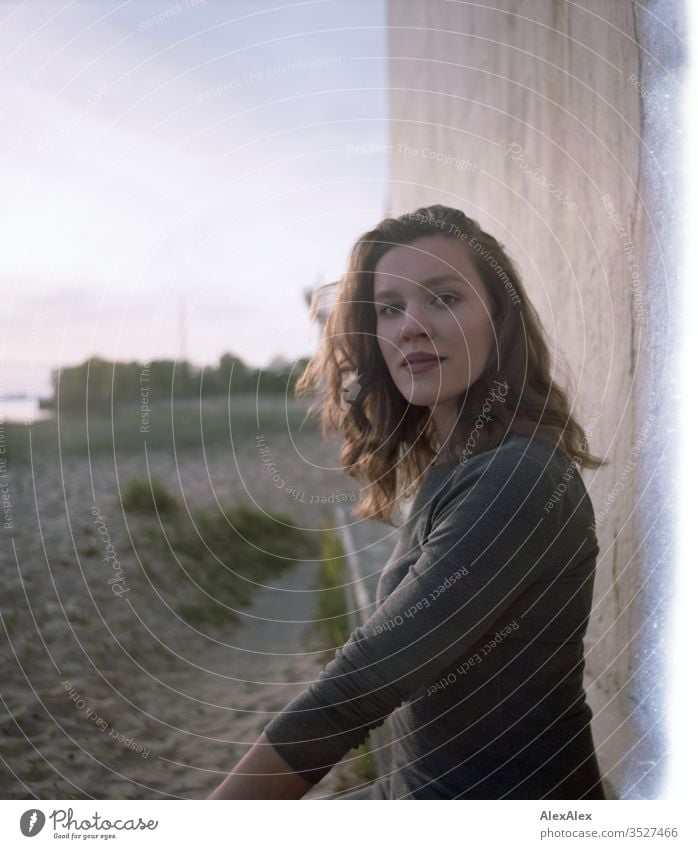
(526, 486)
(532, 452)
(527, 468)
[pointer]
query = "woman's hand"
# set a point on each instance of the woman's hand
(262, 774)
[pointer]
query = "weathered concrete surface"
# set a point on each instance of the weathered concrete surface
(528, 116)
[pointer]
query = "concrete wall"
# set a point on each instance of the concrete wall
(529, 117)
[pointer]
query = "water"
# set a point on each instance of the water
(23, 410)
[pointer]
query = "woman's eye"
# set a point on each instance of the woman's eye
(384, 309)
(445, 295)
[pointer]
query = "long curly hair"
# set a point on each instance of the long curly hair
(387, 441)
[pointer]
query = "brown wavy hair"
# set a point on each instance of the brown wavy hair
(388, 442)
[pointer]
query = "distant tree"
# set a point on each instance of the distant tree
(97, 383)
(279, 363)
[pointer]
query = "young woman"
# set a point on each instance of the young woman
(475, 648)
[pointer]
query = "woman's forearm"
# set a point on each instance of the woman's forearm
(262, 774)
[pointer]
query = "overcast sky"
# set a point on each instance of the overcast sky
(149, 150)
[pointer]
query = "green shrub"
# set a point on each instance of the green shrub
(332, 604)
(336, 623)
(147, 496)
(226, 551)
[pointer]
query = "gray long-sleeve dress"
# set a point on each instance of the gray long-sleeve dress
(475, 647)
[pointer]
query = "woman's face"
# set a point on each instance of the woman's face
(429, 299)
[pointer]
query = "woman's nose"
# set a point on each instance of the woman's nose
(414, 323)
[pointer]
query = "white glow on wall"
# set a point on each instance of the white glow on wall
(680, 775)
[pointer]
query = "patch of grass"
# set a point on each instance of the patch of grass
(365, 766)
(77, 618)
(226, 551)
(36, 770)
(206, 612)
(332, 604)
(148, 496)
(334, 619)
(148, 569)
(10, 619)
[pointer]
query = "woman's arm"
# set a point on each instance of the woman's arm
(489, 541)
(262, 774)
(491, 538)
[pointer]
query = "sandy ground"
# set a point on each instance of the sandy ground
(114, 696)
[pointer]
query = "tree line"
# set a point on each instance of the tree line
(98, 383)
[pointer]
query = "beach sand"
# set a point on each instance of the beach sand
(114, 696)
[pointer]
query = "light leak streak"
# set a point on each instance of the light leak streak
(680, 775)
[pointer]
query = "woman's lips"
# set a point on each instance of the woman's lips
(423, 365)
